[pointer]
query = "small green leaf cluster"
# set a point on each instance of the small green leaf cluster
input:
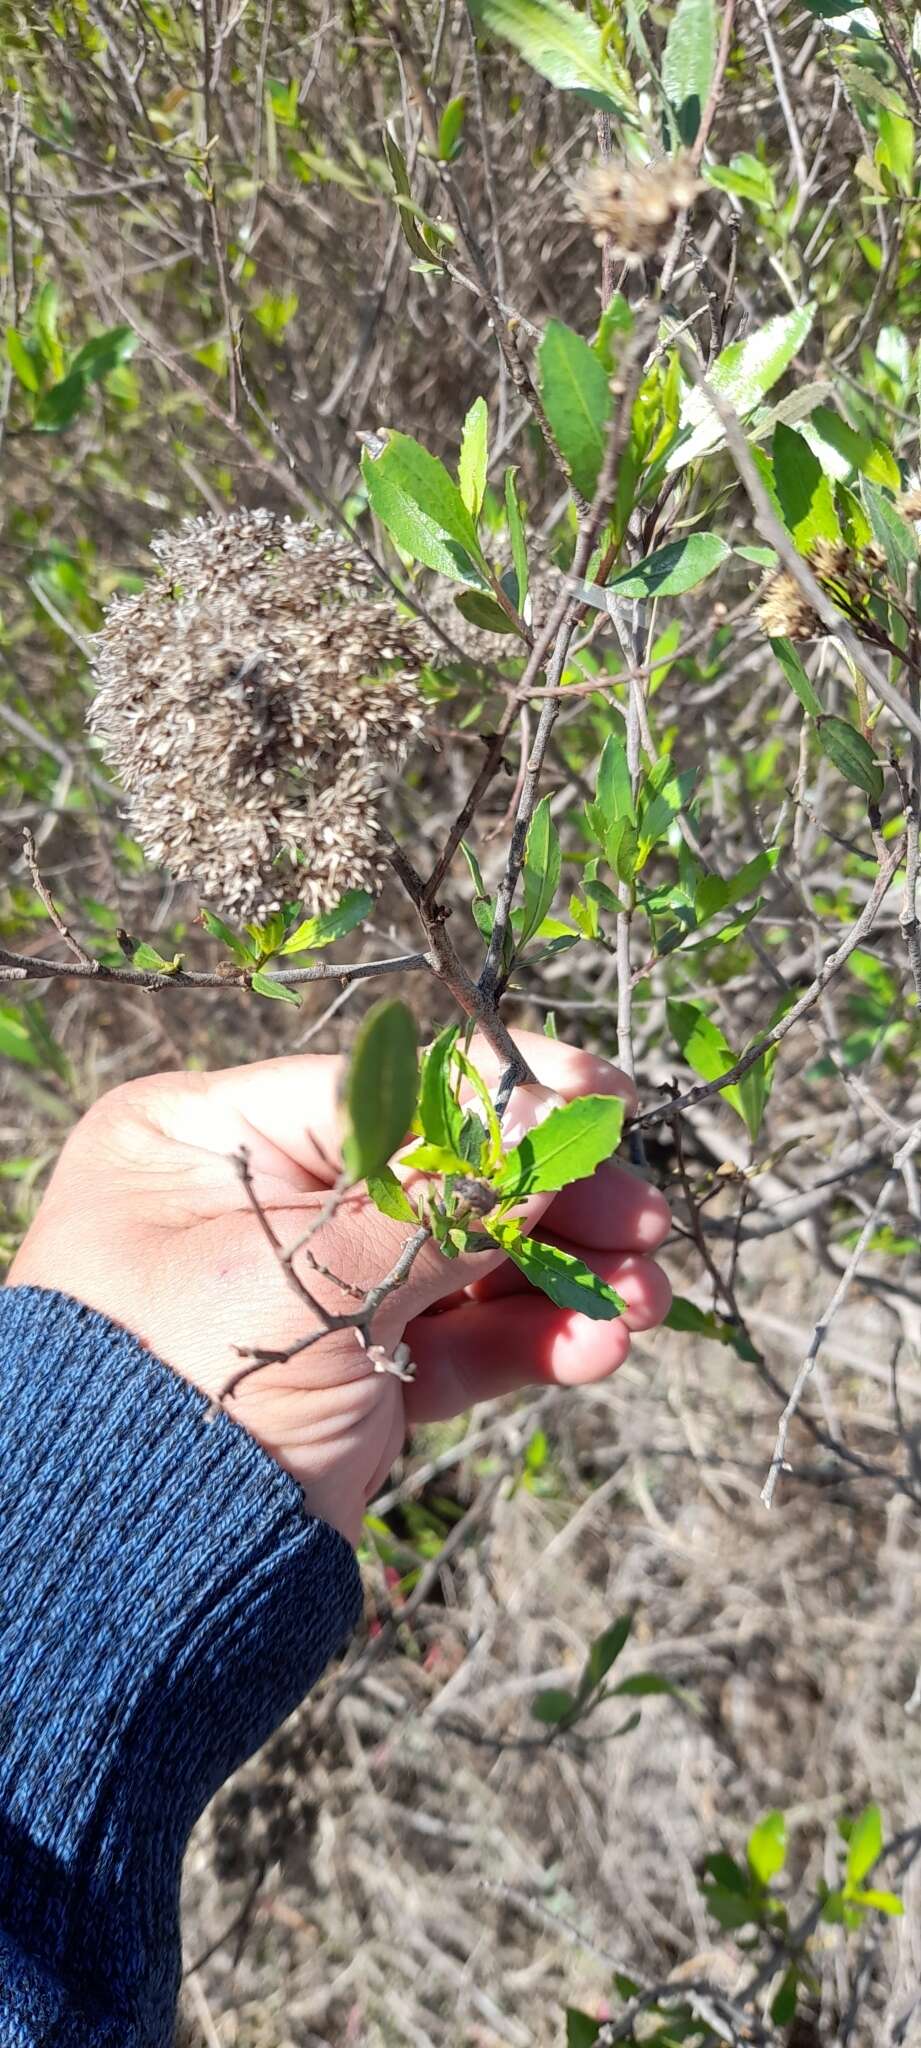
(458, 1179)
(282, 935)
(56, 388)
(745, 1903)
(561, 1708)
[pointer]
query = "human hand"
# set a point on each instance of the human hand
(146, 1219)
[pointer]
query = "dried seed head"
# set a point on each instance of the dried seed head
(634, 208)
(873, 556)
(255, 699)
(785, 614)
(910, 504)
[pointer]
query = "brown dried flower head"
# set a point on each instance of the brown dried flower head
(634, 208)
(255, 700)
(909, 504)
(845, 576)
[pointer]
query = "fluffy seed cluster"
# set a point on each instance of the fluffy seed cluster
(847, 577)
(634, 209)
(255, 701)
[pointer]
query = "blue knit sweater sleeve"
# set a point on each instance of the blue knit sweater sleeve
(165, 1600)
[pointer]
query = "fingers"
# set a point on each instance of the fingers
(480, 1350)
(287, 1114)
(617, 1208)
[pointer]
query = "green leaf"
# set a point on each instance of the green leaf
(894, 534)
(671, 570)
(581, 2030)
(21, 361)
(851, 754)
(555, 40)
(613, 790)
(841, 450)
(803, 490)
(483, 612)
(577, 400)
(796, 676)
(746, 176)
(314, 932)
(567, 1282)
(704, 1047)
(783, 2009)
(439, 1112)
(147, 958)
(542, 862)
(263, 985)
(516, 539)
(605, 1651)
(449, 128)
(217, 929)
(471, 468)
(662, 795)
(742, 374)
(104, 353)
(380, 1088)
(865, 1844)
(60, 406)
(414, 497)
(553, 1705)
(645, 1685)
(881, 1902)
(398, 171)
(685, 1315)
(388, 1196)
(767, 1847)
(687, 63)
(569, 1145)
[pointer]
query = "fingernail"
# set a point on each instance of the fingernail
(528, 1105)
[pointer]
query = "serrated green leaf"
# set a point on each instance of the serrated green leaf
(380, 1088)
(803, 490)
(516, 539)
(567, 1282)
(555, 40)
(474, 448)
(541, 873)
(388, 1196)
(422, 509)
(687, 63)
(851, 754)
(570, 1143)
(315, 932)
(767, 1847)
(577, 400)
(742, 374)
(865, 1844)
